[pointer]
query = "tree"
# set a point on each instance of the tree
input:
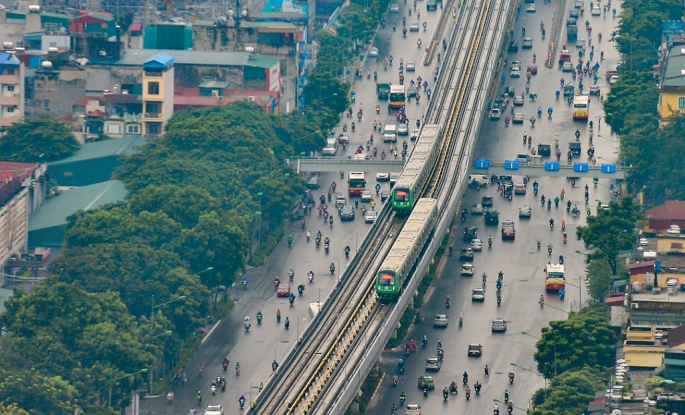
(610, 232)
(12, 409)
(597, 279)
(569, 393)
(584, 339)
(37, 140)
(36, 393)
(64, 328)
(634, 93)
(184, 205)
(325, 92)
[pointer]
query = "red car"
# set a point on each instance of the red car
(508, 232)
(283, 290)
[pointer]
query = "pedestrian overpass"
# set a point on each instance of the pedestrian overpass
(481, 166)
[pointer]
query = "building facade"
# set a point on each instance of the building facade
(672, 84)
(158, 93)
(11, 90)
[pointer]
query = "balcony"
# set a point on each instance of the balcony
(9, 79)
(153, 116)
(7, 121)
(11, 101)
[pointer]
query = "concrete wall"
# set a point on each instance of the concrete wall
(60, 88)
(14, 226)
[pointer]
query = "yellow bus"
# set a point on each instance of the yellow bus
(581, 107)
(397, 96)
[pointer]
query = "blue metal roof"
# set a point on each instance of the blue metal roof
(159, 61)
(7, 59)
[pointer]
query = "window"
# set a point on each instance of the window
(681, 102)
(9, 71)
(133, 129)
(10, 109)
(53, 44)
(10, 88)
(153, 88)
(46, 104)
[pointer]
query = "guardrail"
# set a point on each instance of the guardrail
(549, 168)
(371, 164)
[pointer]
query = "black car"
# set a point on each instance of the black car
(544, 149)
(431, 5)
(575, 148)
(513, 46)
(487, 201)
(312, 182)
(491, 217)
(470, 233)
(347, 213)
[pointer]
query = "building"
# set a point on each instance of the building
(672, 84)
(158, 93)
(22, 191)
(213, 93)
(11, 89)
(95, 34)
(658, 219)
(56, 90)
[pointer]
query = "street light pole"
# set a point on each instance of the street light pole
(152, 326)
(121, 377)
(554, 343)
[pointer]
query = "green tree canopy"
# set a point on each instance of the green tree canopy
(36, 393)
(325, 92)
(37, 140)
(184, 205)
(584, 339)
(597, 279)
(635, 94)
(569, 393)
(610, 232)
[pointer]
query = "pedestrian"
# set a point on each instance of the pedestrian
(487, 371)
(170, 397)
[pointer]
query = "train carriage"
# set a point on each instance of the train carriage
(406, 250)
(417, 169)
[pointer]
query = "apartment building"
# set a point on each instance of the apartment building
(11, 89)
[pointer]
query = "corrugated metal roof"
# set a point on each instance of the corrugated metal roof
(671, 210)
(215, 84)
(55, 211)
(160, 60)
(137, 57)
(7, 59)
(673, 75)
(104, 148)
(645, 357)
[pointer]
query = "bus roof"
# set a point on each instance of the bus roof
(356, 175)
(396, 88)
(555, 268)
(581, 98)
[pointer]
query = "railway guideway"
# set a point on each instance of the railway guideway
(352, 321)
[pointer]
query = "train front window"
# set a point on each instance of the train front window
(401, 195)
(386, 278)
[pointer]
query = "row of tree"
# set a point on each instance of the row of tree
(134, 283)
(576, 355)
(653, 154)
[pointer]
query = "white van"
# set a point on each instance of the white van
(390, 133)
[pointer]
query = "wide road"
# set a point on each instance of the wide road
(257, 349)
(520, 261)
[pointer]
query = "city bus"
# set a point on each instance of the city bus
(554, 280)
(581, 107)
(397, 96)
(356, 182)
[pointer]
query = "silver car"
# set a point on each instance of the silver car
(433, 363)
(411, 66)
(499, 325)
(440, 320)
(402, 129)
(366, 196)
(478, 294)
(394, 8)
(525, 211)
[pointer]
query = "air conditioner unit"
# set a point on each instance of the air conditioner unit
(634, 306)
(250, 98)
(103, 53)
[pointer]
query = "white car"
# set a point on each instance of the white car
(411, 66)
(394, 8)
(525, 211)
(515, 72)
(495, 114)
(414, 27)
(613, 79)
(518, 100)
(440, 320)
(366, 196)
(382, 177)
(596, 11)
(515, 64)
(415, 134)
(499, 325)
(412, 409)
(402, 129)
(214, 410)
(478, 294)
(370, 216)
(467, 269)
(530, 8)
(476, 244)
(507, 222)
(373, 52)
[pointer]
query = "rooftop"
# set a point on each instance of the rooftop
(674, 74)
(672, 209)
(158, 61)
(676, 336)
(138, 57)
(12, 174)
(661, 297)
(215, 84)
(123, 146)
(7, 59)
(55, 211)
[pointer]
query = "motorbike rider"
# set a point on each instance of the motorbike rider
(490, 240)
(461, 318)
(496, 409)
(465, 378)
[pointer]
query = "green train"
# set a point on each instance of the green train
(406, 250)
(417, 170)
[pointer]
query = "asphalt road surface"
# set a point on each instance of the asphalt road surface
(520, 260)
(258, 348)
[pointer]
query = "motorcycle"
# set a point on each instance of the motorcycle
(445, 394)
(223, 385)
(332, 268)
(291, 275)
(309, 235)
(259, 321)
(326, 246)
(310, 276)
(213, 389)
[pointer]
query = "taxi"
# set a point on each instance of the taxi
(426, 381)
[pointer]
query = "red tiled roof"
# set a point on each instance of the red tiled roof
(676, 336)
(96, 113)
(641, 264)
(614, 301)
(135, 27)
(671, 210)
(186, 92)
(84, 101)
(68, 118)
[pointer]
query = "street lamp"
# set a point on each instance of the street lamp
(554, 342)
(260, 194)
(152, 309)
(119, 378)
